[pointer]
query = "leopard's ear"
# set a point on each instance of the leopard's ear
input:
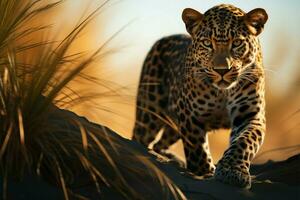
(255, 20)
(191, 19)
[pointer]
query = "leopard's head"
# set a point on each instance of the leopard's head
(224, 43)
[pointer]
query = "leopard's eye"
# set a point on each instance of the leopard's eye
(206, 43)
(237, 43)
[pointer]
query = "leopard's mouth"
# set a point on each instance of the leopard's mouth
(224, 85)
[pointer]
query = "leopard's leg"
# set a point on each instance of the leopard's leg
(147, 126)
(168, 138)
(152, 98)
(196, 149)
(248, 129)
(150, 113)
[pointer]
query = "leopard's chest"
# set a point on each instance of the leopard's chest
(204, 104)
(210, 110)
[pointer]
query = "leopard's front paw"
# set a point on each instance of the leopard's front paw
(233, 175)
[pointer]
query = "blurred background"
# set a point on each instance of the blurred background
(128, 28)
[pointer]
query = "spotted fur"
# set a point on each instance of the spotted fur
(211, 79)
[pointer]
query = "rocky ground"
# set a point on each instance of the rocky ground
(272, 180)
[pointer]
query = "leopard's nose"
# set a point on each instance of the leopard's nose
(222, 72)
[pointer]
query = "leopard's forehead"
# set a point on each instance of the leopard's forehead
(225, 9)
(222, 21)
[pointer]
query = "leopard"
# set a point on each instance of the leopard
(208, 79)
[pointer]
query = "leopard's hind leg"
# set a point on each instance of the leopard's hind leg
(153, 101)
